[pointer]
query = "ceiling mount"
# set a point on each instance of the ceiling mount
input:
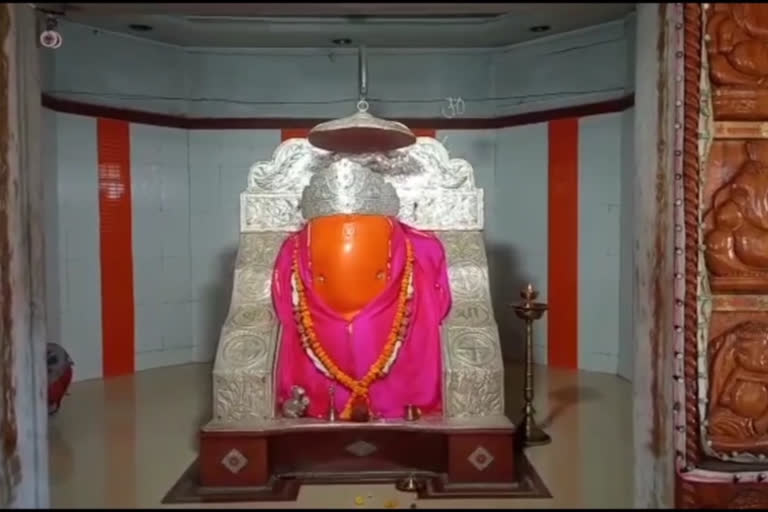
(288, 25)
(140, 27)
(361, 132)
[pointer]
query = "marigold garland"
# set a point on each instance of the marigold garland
(320, 357)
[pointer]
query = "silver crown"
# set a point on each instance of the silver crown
(347, 187)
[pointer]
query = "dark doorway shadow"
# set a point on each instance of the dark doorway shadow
(214, 308)
(216, 299)
(505, 281)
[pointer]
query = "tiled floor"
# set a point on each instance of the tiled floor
(123, 442)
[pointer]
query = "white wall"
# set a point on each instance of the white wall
(599, 239)
(626, 361)
(309, 83)
(627, 347)
(121, 71)
(186, 185)
(101, 67)
(578, 67)
(53, 244)
(162, 267)
(218, 167)
(77, 312)
(185, 190)
(517, 243)
(185, 197)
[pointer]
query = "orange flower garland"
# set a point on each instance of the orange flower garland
(320, 357)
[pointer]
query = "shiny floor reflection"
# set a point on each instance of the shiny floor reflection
(122, 443)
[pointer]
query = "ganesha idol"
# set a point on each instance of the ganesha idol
(361, 286)
(360, 342)
(360, 297)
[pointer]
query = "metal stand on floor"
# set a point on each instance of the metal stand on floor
(530, 311)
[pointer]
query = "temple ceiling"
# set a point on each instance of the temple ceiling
(319, 25)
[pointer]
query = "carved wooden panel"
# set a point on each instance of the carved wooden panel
(738, 389)
(736, 221)
(737, 46)
(722, 495)
(726, 320)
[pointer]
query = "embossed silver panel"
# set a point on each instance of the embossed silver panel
(436, 193)
(243, 371)
(473, 380)
(431, 211)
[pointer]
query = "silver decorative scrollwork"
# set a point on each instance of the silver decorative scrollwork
(470, 313)
(242, 399)
(436, 192)
(251, 315)
(348, 187)
(474, 373)
(245, 349)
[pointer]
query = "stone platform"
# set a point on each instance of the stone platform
(449, 457)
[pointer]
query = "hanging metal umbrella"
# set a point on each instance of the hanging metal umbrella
(361, 132)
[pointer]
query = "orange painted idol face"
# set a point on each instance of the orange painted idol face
(350, 259)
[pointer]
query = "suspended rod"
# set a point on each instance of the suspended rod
(363, 72)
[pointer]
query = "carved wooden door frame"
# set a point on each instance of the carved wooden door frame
(702, 480)
(654, 237)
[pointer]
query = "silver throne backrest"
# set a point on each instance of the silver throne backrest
(437, 193)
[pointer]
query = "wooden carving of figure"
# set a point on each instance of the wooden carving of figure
(738, 44)
(738, 392)
(736, 245)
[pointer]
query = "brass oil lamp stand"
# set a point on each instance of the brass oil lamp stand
(529, 310)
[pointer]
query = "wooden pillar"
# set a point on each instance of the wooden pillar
(23, 386)
(653, 233)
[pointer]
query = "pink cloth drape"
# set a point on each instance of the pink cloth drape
(416, 376)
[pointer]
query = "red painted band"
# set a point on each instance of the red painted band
(116, 247)
(562, 274)
(299, 133)
(293, 133)
(271, 123)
